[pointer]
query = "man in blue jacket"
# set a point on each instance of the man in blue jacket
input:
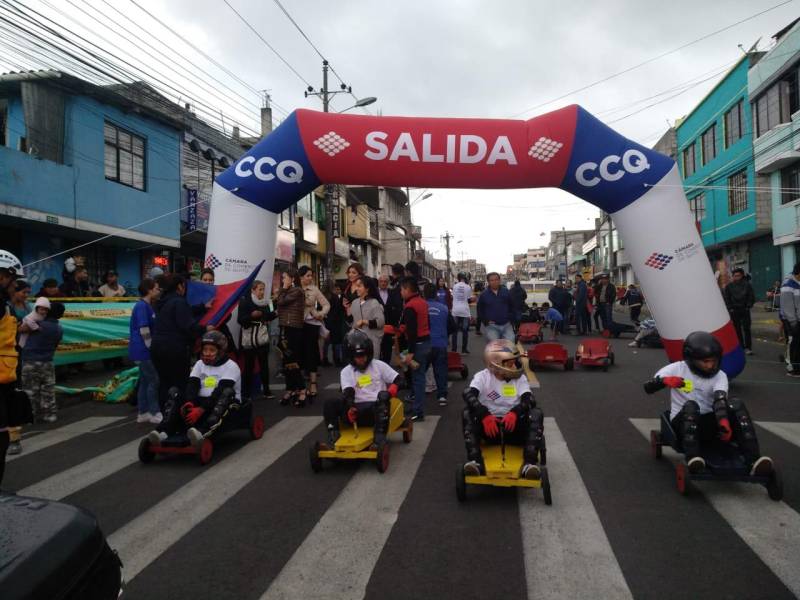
(582, 319)
(495, 310)
(439, 320)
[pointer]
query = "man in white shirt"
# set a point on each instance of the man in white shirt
(500, 396)
(462, 293)
(368, 385)
(111, 288)
(701, 410)
(215, 384)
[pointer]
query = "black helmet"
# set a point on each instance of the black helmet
(218, 339)
(699, 345)
(359, 344)
(461, 276)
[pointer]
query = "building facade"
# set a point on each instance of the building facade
(774, 95)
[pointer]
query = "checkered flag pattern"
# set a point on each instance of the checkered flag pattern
(212, 262)
(493, 395)
(544, 149)
(658, 261)
(331, 143)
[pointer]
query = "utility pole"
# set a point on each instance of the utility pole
(447, 237)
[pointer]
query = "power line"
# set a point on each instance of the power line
(652, 59)
(267, 44)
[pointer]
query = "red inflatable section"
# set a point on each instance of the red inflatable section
(726, 336)
(485, 150)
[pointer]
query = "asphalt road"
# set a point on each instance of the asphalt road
(257, 523)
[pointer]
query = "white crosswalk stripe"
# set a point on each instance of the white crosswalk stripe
(319, 568)
(66, 432)
(144, 539)
(789, 432)
(566, 537)
(85, 474)
(774, 536)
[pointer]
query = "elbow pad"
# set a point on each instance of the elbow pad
(474, 406)
(654, 385)
(526, 402)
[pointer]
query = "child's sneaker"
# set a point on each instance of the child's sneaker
(156, 437)
(15, 448)
(762, 467)
(156, 418)
(696, 464)
(530, 471)
(51, 418)
(143, 418)
(194, 435)
(472, 469)
(442, 401)
(333, 436)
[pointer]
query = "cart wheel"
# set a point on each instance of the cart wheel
(314, 459)
(382, 460)
(464, 372)
(655, 444)
(682, 478)
(606, 362)
(461, 484)
(408, 432)
(206, 452)
(570, 364)
(145, 455)
(257, 428)
(548, 498)
(611, 358)
(543, 456)
(775, 485)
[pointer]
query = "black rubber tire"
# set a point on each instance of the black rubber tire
(382, 460)
(543, 456)
(464, 372)
(611, 357)
(461, 484)
(548, 497)
(314, 459)
(205, 453)
(606, 362)
(655, 444)
(408, 432)
(145, 456)
(570, 364)
(775, 485)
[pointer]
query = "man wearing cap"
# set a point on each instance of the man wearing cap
(111, 288)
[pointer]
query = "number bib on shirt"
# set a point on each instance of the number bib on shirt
(210, 382)
(509, 391)
(364, 380)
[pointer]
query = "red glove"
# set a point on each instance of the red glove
(672, 382)
(352, 414)
(193, 414)
(392, 389)
(187, 406)
(490, 426)
(510, 421)
(725, 431)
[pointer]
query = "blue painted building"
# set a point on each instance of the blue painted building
(80, 161)
(774, 91)
(729, 199)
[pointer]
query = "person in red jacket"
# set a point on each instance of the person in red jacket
(418, 337)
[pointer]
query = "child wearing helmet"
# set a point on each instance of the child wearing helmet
(368, 384)
(500, 396)
(214, 385)
(701, 410)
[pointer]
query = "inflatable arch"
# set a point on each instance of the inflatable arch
(567, 148)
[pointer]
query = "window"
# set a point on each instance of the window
(734, 124)
(737, 192)
(698, 207)
(124, 157)
(688, 161)
(790, 183)
(773, 106)
(709, 143)
(286, 218)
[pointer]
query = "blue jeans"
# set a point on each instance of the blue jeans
(147, 397)
(462, 325)
(439, 363)
(422, 355)
(500, 332)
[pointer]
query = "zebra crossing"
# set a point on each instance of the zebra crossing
(566, 552)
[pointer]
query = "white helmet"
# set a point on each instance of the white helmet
(499, 351)
(11, 263)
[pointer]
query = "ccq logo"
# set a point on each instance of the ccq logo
(267, 168)
(611, 168)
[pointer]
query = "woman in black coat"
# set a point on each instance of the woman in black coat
(174, 333)
(255, 310)
(335, 323)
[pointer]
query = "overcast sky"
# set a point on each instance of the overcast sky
(468, 59)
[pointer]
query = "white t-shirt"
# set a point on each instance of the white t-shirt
(461, 295)
(701, 389)
(376, 378)
(210, 376)
(497, 395)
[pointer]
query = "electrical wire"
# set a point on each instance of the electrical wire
(652, 59)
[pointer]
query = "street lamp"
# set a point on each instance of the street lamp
(360, 103)
(419, 199)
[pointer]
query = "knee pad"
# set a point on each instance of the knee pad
(691, 410)
(384, 398)
(742, 417)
